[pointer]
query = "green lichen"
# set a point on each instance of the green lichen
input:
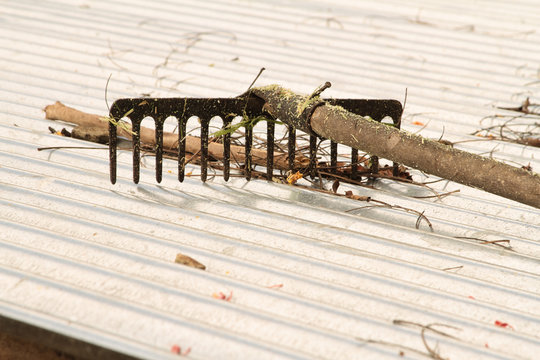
(247, 122)
(303, 105)
(275, 90)
(120, 123)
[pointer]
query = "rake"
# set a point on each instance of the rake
(245, 105)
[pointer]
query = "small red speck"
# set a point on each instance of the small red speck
(417, 123)
(176, 349)
(276, 286)
(503, 324)
(222, 296)
(471, 297)
(486, 345)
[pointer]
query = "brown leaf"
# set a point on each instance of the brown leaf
(335, 186)
(350, 195)
(532, 141)
(186, 260)
(388, 170)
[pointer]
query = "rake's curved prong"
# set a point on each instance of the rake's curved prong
(354, 163)
(159, 148)
(181, 148)
(226, 150)
(136, 139)
(248, 144)
(112, 151)
(333, 157)
(312, 156)
(291, 146)
(204, 148)
(269, 149)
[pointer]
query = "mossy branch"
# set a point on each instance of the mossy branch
(246, 122)
(59, 111)
(337, 124)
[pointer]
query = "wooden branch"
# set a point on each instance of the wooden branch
(339, 125)
(59, 111)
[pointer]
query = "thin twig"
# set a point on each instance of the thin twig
(494, 242)
(383, 204)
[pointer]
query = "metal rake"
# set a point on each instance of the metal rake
(159, 109)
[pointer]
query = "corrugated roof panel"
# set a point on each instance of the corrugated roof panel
(309, 275)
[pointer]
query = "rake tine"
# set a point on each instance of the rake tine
(204, 148)
(159, 148)
(354, 163)
(249, 141)
(181, 148)
(226, 150)
(269, 149)
(312, 156)
(374, 165)
(136, 138)
(291, 146)
(397, 124)
(333, 157)
(112, 150)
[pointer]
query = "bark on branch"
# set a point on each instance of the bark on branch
(59, 111)
(339, 125)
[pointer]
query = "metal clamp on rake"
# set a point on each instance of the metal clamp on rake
(248, 104)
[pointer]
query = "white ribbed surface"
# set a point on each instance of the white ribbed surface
(95, 261)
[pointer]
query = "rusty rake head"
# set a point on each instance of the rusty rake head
(136, 109)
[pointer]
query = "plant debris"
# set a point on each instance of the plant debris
(276, 286)
(175, 349)
(521, 129)
(503, 325)
(188, 261)
(433, 352)
(503, 243)
(222, 296)
(293, 178)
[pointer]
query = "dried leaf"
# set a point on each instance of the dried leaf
(350, 195)
(388, 170)
(293, 178)
(186, 260)
(335, 186)
(532, 141)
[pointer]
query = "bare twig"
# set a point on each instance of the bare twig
(433, 352)
(493, 242)
(383, 204)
